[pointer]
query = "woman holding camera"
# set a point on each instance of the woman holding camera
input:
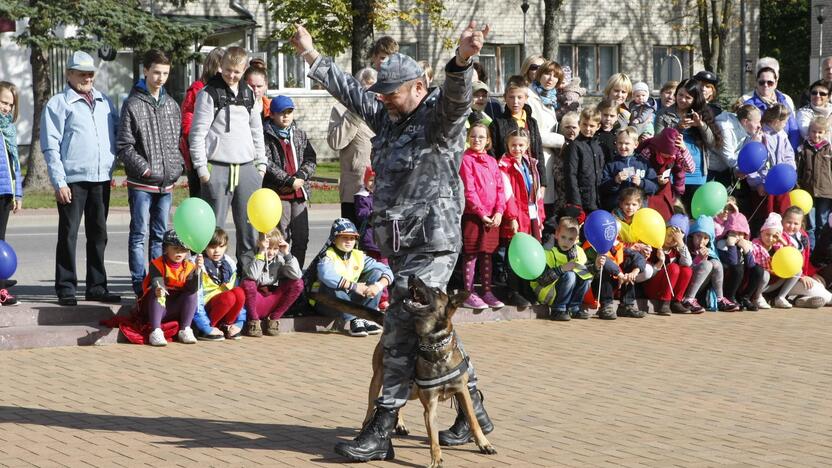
(695, 121)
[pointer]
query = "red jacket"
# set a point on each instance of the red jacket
(187, 117)
(517, 198)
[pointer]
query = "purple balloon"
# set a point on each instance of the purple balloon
(601, 230)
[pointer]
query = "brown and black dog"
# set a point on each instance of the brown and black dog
(438, 357)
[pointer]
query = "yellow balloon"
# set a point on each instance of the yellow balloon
(648, 227)
(787, 262)
(801, 199)
(264, 209)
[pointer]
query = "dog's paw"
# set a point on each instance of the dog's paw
(488, 449)
(402, 430)
(435, 464)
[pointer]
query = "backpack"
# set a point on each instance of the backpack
(224, 99)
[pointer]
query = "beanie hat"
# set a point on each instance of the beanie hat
(768, 62)
(368, 173)
(641, 86)
(680, 222)
(774, 221)
(738, 223)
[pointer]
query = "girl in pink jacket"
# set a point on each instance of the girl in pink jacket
(485, 201)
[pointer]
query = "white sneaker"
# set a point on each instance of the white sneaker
(186, 335)
(157, 338)
(810, 302)
(762, 304)
(782, 303)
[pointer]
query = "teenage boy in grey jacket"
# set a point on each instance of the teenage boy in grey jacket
(227, 148)
(148, 146)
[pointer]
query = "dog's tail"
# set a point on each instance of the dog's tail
(358, 310)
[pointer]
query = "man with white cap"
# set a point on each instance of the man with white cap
(78, 137)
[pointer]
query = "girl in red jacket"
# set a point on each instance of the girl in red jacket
(524, 203)
(485, 202)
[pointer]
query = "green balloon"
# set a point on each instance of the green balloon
(709, 199)
(526, 256)
(194, 223)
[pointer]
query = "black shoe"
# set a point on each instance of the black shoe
(579, 314)
(559, 315)
(664, 308)
(677, 307)
(68, 301)
(630, 310)
(607, 312)
(748, 305)
(5, 284)
(460, 432)
(373, 442)
(516, 299)
(106, 297)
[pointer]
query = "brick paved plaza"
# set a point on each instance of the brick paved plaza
(746, 389)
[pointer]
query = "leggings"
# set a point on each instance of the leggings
(178, 305)
(733, 276)
(272, 303)
(226, 306)
(709, 270)
(658, 288)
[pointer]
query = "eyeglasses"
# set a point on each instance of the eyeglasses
(819, 93)
(534, 67)
(766, 83)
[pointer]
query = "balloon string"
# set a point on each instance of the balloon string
(600, 279)
(758, 207)
(667, 275)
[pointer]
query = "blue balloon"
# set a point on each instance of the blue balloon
(601, 230)
(752, 157)
(8, 261)
(780, 179)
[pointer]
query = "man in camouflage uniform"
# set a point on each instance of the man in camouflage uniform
(418, 202)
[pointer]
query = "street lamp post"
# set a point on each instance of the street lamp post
(525, 7)
(821, 17)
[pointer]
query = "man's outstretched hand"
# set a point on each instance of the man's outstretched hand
(302, 42)
(471, 41)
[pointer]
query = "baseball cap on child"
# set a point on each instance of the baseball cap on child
(343, 227)
(479, 86)
(280, 104)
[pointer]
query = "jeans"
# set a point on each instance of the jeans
(371, 302)
(145, 207)
(570, 292)
(823, 206)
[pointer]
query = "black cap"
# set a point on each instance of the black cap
(706, 76)
(397, 70)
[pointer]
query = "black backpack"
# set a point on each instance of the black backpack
(223, 97)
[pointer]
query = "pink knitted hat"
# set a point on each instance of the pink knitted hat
(774, 221)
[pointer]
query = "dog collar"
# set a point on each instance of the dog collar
(437, 345)
(453, 374)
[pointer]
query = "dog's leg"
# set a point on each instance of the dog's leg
(375, 382)
(479, 438)
(430, 402)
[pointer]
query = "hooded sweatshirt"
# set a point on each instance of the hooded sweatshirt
(705, 225)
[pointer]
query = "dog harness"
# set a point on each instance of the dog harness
(438, 381)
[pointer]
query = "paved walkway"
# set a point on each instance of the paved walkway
(746, 389)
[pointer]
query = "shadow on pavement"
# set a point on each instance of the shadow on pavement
(197, 433)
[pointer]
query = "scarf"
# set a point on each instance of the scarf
(9, 132)
(822, 111)
(283, 133)
(549, 98)
(220, 272)
(768, 101)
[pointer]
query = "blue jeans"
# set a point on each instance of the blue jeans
(145, 207)
(371, 302)
(570, 292)
(823, 206)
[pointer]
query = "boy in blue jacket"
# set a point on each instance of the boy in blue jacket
(626, 170)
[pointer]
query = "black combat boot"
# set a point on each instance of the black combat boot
(460, 433)
(373, 442)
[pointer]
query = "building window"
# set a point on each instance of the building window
(500, 62)
(287, 71)
(593, 63)
(671, 63)
(410, 49)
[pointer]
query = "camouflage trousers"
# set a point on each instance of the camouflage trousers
(399, 339)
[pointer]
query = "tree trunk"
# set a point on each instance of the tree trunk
(36, 175)
(551, 28)
(704, 32)
(362, 33)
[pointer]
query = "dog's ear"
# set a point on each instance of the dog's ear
(458, 298)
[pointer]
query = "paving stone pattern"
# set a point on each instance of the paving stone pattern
(745, 389)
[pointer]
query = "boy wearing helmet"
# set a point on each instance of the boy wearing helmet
(350, 275)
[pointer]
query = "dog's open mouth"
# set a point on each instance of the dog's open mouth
(417, 300)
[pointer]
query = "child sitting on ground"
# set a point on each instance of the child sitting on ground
(221, 301)
(349, 275)
(626, 170)
(566, 279)
(271, 281)
(642, 111)
(673, 269)
(485, 202)
(169, 291)
(707, 268)
(734, 248)
(810, 293)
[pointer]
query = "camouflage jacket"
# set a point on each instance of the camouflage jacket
(418, 198)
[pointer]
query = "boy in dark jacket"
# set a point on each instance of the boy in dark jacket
(291, 163)
(517, 114)
(148, 146)
(605, 135)
(627, 170)
(584, 164)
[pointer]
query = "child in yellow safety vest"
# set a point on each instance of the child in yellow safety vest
(350, 275)
(566, 278)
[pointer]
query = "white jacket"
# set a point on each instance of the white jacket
(547, 124)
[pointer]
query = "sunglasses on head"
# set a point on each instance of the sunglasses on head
(765, 83)
(819, 93)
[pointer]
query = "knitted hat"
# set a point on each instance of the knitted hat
(665, 142)
(641, 86)
(774, 221)
(368, 172)
(738, 223)
(574, 86)
(680, 222)
(768, 62)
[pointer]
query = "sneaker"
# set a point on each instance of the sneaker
(475, 302)
(664, 308)
(678, 307)
(559, 315)
(372, 327)
(186, 336)
(693, 306)
(762, 304)
(812, 302)
(782, 303)
(492, 301)
(252, 328)
(214, 335)
(629, 310)
(157, 338)
(516, 299)
(272, 327)
(580, 314)
(357, 328)
(727, 305)
(233, 332)
(748, 305)
(607, 312)
(7, 299)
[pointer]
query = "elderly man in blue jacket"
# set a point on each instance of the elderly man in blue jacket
(78, 139)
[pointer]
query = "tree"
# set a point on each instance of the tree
(715, 18)
(340, 24)
(113, 23)
(551, 28)
(785, 32)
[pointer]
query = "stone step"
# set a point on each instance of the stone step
(44, 313)
(45, 336)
